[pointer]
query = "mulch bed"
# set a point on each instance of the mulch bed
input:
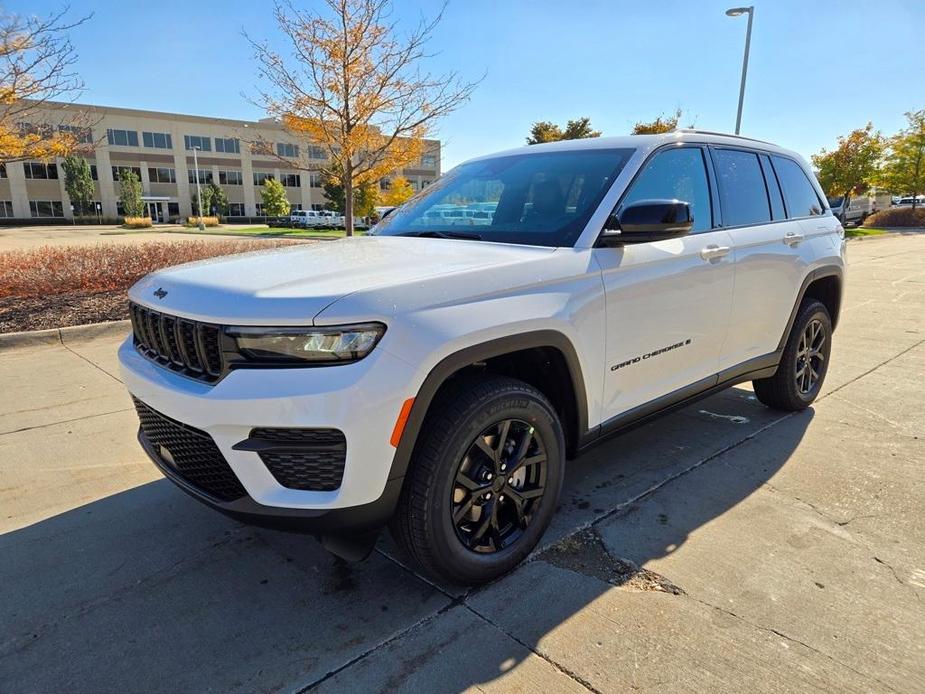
(61, 310)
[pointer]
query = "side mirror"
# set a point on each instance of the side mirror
(646, 221)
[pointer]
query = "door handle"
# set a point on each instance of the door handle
(791, 238)
(713, 252)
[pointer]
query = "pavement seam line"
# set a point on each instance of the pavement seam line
(301, 689)
(64, 421)
(791, 639)
(560, 668)
(93, 364)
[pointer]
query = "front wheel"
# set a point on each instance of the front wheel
(484, 480)
(803, 364)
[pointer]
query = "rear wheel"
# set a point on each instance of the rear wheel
(484, 480)
(803, 364)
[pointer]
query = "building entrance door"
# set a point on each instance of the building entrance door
(155, 212)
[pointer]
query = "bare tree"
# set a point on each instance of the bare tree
(353, 84)
(36, 67)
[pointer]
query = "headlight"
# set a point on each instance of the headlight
(339, 344)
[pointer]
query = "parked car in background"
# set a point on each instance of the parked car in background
(908, 199)
(855, 212)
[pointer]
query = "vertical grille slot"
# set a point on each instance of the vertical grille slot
(169, 333)
(211, 353)
(188, 345)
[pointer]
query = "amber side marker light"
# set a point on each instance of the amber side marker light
(401, 421)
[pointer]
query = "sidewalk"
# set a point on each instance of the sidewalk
(725, 548)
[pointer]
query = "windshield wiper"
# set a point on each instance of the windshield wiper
(443, 235)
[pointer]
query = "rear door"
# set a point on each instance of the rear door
(764, 215)
(667, 302)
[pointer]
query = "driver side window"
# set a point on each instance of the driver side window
(676, 174)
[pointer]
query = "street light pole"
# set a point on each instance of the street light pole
(198, 191)
(735, 12)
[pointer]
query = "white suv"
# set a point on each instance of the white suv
(437, 377)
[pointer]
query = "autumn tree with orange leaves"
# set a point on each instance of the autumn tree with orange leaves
(353, 83)
(37, 66)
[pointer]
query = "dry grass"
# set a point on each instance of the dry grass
(897, 217)
(56, 270)
(206, 221)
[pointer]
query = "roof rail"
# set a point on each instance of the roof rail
(713, 132)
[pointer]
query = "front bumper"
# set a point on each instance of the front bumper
(362, 400)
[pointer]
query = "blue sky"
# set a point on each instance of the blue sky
(817, 69)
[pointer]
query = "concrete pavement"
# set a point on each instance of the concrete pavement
(724, 548)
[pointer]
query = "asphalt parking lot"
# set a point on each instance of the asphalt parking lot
(724, 548)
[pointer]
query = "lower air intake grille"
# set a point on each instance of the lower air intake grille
(305, 459)
(190, 453)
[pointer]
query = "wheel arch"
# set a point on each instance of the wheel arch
(512, 355)
(825, 284)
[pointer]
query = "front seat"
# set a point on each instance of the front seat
(548, 202)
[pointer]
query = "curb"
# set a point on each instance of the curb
(52, 336)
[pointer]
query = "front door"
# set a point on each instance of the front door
(155, 211)
(667, 302)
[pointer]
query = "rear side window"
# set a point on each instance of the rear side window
(742, 192)
(676, 174)
(774, 194)
(799, 193)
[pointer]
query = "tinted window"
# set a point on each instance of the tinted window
(777, 200)
(799, 193)
(676, 174)
(742, 192)
(542, 199)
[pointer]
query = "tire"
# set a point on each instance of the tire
(793, 387)
(448, 451)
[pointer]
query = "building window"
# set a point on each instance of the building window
(315, 180)
(290, 180)
(173, 209)
(230, 178)
(83, 136)
(2, 170)
(162, 175)
(122, 138)
(228, 145)
(191, 142)
(157, 140)
(205, 176)
(236, 209)
(316, 152)
(46, 208)
(93, 174)
(385, 184)
(39, 170)
(259, 209)
(6, 208)
(424, 184)
(429, 161)
(286, 149)
(116, 170)
(260, 177)
(295, 206)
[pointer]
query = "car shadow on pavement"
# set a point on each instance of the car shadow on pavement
(148, 590)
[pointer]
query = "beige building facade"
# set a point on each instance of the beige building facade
(164, 150)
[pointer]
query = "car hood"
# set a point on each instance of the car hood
(292, 285)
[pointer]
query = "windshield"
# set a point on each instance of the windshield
(542, 199)
(836, 201)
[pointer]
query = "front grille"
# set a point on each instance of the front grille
(305, 459)
(190, 453)
(188, 347)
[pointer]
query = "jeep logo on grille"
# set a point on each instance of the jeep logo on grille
(160, 292)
